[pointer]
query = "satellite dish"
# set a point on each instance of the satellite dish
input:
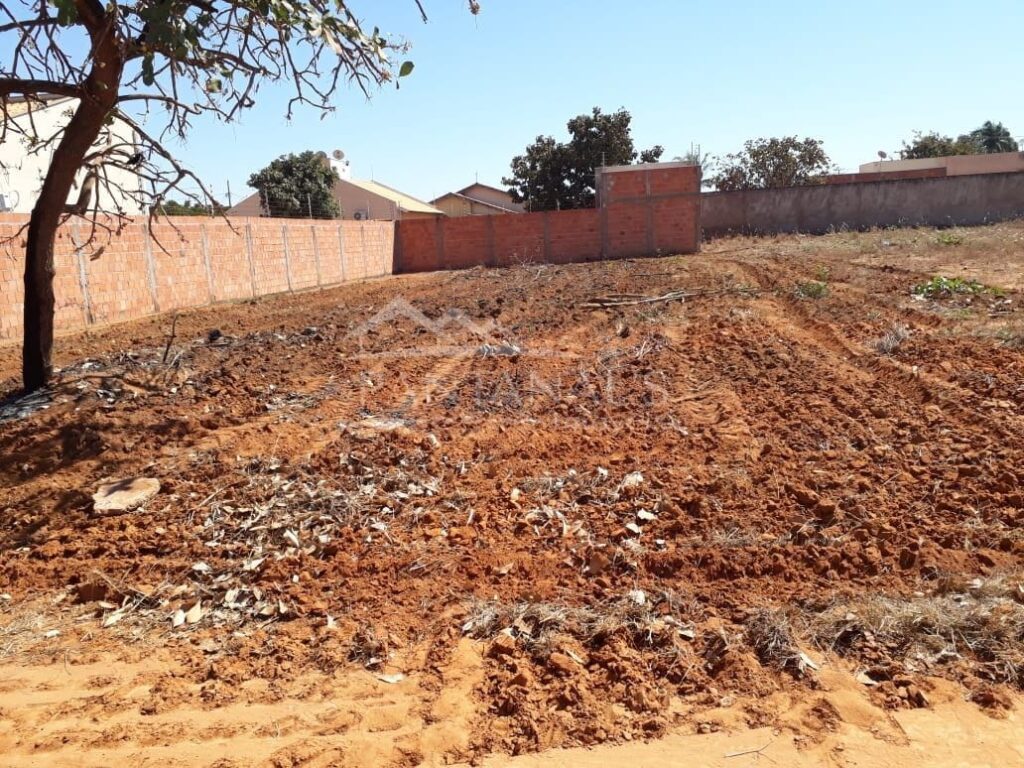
(338, 154)
(322, 155)
(883, 155)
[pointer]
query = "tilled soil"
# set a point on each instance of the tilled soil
(641, 511)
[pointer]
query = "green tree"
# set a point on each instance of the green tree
(925, 145)
(172, 60)
(189, 208)
(991, 138)
(769, 163)
(551, 174)
(298, 186)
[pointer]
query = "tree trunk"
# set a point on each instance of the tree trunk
(99, 95)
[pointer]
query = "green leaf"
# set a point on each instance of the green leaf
(67, 13)
(148, 77)
(214, 85)
(406, 70)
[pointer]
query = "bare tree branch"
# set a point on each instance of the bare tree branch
(37, 88)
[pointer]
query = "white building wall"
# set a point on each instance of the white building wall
(22, 171)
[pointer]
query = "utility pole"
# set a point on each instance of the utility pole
(229, 193)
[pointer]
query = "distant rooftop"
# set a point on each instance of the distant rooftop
(405, 202)
(478, 201)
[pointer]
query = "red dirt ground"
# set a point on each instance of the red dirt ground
(642, 513)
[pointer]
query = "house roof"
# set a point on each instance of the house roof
(476, 184)
(476, 201)
(405, 202)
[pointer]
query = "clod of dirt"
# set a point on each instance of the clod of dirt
(502, 645)
(125, 495)
(992, 699)
(97, 590)
(562, 663)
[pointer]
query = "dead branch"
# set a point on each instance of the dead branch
(632, 299)
(170, 339)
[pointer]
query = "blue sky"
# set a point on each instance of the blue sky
(860, 75)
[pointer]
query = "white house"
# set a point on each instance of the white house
(22, 171)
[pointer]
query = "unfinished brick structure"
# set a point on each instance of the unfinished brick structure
(643, 210)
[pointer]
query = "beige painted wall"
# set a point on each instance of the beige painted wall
(352, 198)
(957, 165)
(453, 205)
(22, 171)
(490, 195)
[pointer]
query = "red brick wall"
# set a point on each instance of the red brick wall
(192, 262)
(179, 273)
(632, 183)
(517, 238)
(368, 249)
(419, 245)
(70, 307)
(628, 231)
(675, 222)
(673, 181)
(467, 242)
(187, 263)
(327, 241)
(229, 261)
(645, 210)
(574, 235)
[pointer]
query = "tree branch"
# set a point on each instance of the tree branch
(21, 26)
(9, 86)
(170, 100)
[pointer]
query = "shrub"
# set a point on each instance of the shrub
(942, 287)
(949, 237)
(891, 339)
(813, 289)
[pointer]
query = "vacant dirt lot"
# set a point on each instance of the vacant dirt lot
(436, 517)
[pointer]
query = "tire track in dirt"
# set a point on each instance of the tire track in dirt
(134, 714)
(920, 401)
(920, 387)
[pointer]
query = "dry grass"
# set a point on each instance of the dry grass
(892, 339)
(985, 621)
(1012, 338)
(368, 648)
(770, 633)
(22, 631)
(538, 626)
(980, 621)
(734, 538)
